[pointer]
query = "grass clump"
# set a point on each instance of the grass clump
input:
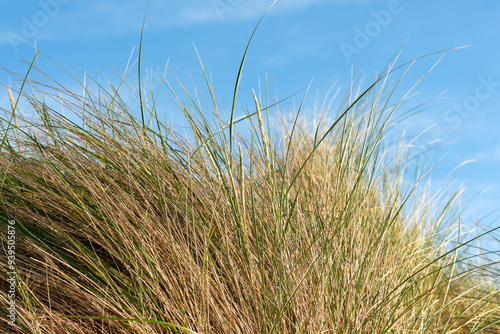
(125, 225)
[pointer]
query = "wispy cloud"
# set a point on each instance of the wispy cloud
(161, 14)
(201, 11)
(104, 18)
(489, 154)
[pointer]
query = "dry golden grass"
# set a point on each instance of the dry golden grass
(128, 228)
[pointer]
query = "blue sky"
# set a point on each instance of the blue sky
(298, 40)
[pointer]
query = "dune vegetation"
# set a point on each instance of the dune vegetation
(260, 223)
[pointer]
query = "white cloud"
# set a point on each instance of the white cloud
(106, 18)
(202, 11)
(116, 17)
(490, 154)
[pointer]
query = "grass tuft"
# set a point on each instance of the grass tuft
(125, 227)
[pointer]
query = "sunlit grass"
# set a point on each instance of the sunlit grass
(126, 225)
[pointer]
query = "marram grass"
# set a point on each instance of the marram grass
(125, 225)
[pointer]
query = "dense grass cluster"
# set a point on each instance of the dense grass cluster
(128, 226)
